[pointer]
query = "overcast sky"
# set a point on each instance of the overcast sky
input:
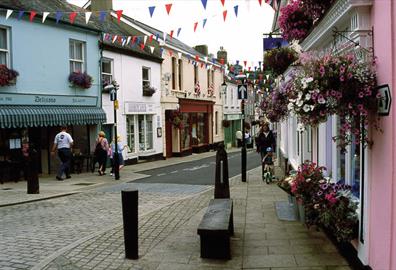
(241, 36)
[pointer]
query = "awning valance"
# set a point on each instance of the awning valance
(42, 116)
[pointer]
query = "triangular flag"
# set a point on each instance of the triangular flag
(260, 2)
(151, 10)
(58, 16)
(133, 40)
(119, 15)
(124, 41)
(204, 2)
(236, 10)
(161, 51)
(249, 68)
(102, 15)
(87, 16)
(9, 12)
(142, 46)
(222, 2)
(145, 40)
(114, 38)
(168, 8)
(178, 32)
(179, 54)
(20, 14)
(72, 17)
(214, 60)
(164, 34)
(170, 53)
(202, 64)
(157, 36)
(128, 40)
(237, 62)
(197, 57)
(171, 34)
(224, 14)
(151, 38)
(152, 49)
(222, 61)
(138, 40)
(204, 22)
(45, 15)
(32, 15)
(206, 59)
(195, 26)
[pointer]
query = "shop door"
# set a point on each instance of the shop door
(168, 134)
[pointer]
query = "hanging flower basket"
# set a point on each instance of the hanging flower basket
(7, 76)
(197, 89)
(211, 90)
(177, 119)
(278, 60)
(80, 80)
(316, 9)
(294, 22)
(226, 123)
(275, 103)
(149, 91)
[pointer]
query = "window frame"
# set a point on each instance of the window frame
(174, 73)
(111, 61)
(136, 133)
(74, 60)
(8, 44)
(180, 72)
(196, 79)
(149, 77)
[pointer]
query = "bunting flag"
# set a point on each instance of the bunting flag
(72, 17)
(249, 68)
(222, 61)
(58, 16)
(45, 15)
(204, 2)
(195, 26)
(237, 62)
(245, 63)
(222, 2)
(151, 10)
(9, 12)
(236, 10)
(128, 40)
(178, 32)
(164, 34)
(20, 14)
(114, 38)
(124, 41)
(87, 16)
(32, 15)
(168, 8)
(260, 2)
(204, 22)
(157, 36)
(144, 40)
(206, 59)
(171, 34)
(179, 54)
(133, 40)
(224, 14)
(119, 15)
(142, 46)
(152, 49)
(197, 57)
(151, 38)
(102, 15)
(170, 53)
(260, 64)
(161, 51)
(214, 60)
(202, 64)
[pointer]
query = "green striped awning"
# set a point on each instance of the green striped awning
(43, 116)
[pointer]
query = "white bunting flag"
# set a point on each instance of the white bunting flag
(152, 49)
(45, 15)
(123, 41)
(9, 12)
(206, 59)
(179, 54)
(145, 40)
(114, 38)
(164, 37)
(87, 16)
(128, 40)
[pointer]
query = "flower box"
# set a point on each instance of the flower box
(80, 80)
(148, 91)
(7, 76)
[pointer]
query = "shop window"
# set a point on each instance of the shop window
(173, 73)
(107, 71)
(140, 133)
(180, 71)
(77, 56)
(185, 133)
(146, 77)
(131, 134)
(4, 47)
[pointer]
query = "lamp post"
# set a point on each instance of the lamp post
(113, 97)
(242, 78)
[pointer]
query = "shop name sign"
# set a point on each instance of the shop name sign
(26, 99)
(136, 108)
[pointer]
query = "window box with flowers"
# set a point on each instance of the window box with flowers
(197, 89)
(177, 119)
(7, 76)
(80, 80)
(148, 91)
(211, 90)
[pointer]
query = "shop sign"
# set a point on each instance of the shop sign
(242, 91)
(385, 100)
(139, 108)
(233, 117)
(48, 100)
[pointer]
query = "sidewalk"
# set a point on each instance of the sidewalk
(15, 193)
(168, 238)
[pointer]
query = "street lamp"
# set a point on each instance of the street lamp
(242, 78)
(223, 88)
(113, 88)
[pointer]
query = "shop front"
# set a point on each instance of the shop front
(35, 121)
(231, 124)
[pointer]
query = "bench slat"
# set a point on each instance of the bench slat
(217, 217)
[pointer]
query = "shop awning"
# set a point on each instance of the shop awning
(43, 116)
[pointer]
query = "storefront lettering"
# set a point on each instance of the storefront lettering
(79, 100)
(39, 99)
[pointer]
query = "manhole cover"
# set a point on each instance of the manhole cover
(83, 184)
(7, 188)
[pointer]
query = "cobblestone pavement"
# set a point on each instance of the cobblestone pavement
(31, 232)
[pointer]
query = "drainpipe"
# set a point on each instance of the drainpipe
(100, 73)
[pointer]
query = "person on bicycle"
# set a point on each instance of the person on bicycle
(268, 165)
(264, 140)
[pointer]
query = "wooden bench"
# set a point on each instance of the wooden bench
(215, 230)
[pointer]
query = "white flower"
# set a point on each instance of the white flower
(300, 127)
(306, 108)
(308, 80)
(308, 180)
(308, 96)
(321, 100)
(300, 103)
(300, 94)
(312, 107)
(316, 206)
(322, 181)
(290, 106)
(304, 85)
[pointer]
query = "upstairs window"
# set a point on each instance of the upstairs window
(146, 77)
(107, 71)
(195, 74)
(173, 73)
(180, 66)
(77, 56)
(4, 47)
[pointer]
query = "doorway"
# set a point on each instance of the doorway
(168, 133)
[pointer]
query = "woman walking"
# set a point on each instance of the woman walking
(120, 148)
(101, 150)
(265, 140)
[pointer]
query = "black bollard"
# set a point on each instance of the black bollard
(130, 218)
(33, 186)
(222, 186)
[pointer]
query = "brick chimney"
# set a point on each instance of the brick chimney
(202, 49)
(222, 54)
(98, 5)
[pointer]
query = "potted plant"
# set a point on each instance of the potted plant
(148, 91)
(278, 60)
(177, 119)
(80, 80)
(226, 123)
(7, 76)
(294, 22)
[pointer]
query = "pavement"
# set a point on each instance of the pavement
(84, 230)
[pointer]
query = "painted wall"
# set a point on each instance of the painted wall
(127, 71)
(40, 53)
(382, 186)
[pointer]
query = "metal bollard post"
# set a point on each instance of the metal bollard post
(33, 186)
(130, 219)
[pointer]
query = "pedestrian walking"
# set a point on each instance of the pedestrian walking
(120, 148)
(63, 143)
(265, 140)
(101, 152)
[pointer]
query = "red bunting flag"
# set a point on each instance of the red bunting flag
(222, 2)
(171, 34)
(151, 38)
(119, 39)
(142, 46)
(249, 68)
(245, 63)
(133, 39)
(168, 8)
(202, 64)
(119, 14)
(260, 2)
(224, 14)
(222, 61)
(197, 57)
(32, 15)
(195, 26)
(72, 17)
(170, 53)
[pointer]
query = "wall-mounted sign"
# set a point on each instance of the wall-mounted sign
(159, 132)
(48, 100)
(139, 108)
(385, 100)
(242, 91)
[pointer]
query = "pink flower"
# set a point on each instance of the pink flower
(342, 69)
(361, 95)
(322, 71)
(342, 78)
(360, 107)
(350, 75)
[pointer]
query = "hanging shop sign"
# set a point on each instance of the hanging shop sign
(385, 100)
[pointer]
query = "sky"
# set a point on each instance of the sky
(241, 37)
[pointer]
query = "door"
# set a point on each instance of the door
(168, 134)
